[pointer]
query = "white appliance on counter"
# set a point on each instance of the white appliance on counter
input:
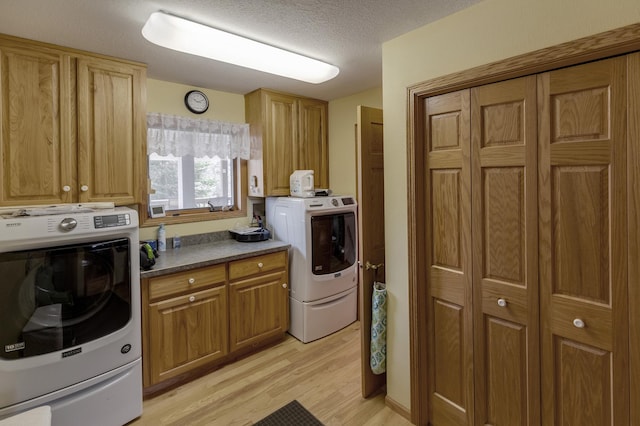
(323, 274)
(70, 334)
(301, 184)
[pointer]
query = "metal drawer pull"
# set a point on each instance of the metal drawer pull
(578, 323)
(502, 302)
(192, 298)
(260, 265)
(84, 188)
(66, 188)
(192, 280)
(284, 285)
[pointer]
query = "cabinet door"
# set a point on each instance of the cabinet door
(312, 140)
(37, 126)
(111, 130)
(280, 150)
(448, 217)
(583, 244)
(259, 309)
(187, 332)
(505, 252)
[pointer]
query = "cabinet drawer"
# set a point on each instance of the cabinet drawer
(257, 264)
(169, 285)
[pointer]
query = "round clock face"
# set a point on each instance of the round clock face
(196, 101)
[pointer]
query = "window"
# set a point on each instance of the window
(194, 166)
(189, 182)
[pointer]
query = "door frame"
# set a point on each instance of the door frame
(599, 46)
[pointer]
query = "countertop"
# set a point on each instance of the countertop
(199, 255)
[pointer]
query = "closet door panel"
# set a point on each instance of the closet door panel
(583, 244)
(506, 348)
(504, 170)
(449, 255)
(583, 394)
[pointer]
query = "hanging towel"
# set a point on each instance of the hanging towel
(379, 328)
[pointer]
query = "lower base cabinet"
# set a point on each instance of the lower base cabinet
(207, 316)
(258, 300)
(187, 332)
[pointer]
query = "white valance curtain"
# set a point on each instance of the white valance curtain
(180, 136)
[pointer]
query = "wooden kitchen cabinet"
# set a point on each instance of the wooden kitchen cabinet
(258, 299)
(206, 317)
(112, 130)
(37, 123)
(72, 125)
(186, 321)
(293, 134)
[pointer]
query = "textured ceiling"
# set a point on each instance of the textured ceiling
(346, 33)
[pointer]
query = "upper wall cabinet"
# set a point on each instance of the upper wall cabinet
(111, 130)
(293, 132)
(37, 137)
(72, 125)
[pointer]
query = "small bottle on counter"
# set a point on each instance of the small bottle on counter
(177, 243)
(162, 239)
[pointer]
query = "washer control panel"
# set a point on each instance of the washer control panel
(108, 221)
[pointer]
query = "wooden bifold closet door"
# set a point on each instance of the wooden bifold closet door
(526, 239)
(505, 253)
(583, 244)
(450, 316)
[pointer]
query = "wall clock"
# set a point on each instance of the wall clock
(196, 101)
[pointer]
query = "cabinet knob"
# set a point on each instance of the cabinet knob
(192, 298)
(192, 280)
(66, 188)
(260, 265)
(502, 302)
(284, 285)
(84, 188)
(578, 323)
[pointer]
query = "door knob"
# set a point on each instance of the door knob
(578, 323)
(192, 280)
(84, 188)
(502, 302)
(368, 265)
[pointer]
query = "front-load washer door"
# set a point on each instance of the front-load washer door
(333, 242)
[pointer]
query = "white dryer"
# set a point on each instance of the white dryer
(323, 272)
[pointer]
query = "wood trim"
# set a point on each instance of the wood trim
(397, 407)
(633, 218)
(610, 43)
(417, 268)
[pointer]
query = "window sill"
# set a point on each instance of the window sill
(175, 218)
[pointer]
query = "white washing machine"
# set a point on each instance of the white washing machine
(323, 274)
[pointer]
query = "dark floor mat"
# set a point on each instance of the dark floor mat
(292, 414)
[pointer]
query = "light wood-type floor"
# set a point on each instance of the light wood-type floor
(324, 376)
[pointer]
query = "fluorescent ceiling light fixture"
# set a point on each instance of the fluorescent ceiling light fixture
(187, 36)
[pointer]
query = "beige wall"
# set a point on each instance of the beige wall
(489, 31)
(168, 98)
(342, 139)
